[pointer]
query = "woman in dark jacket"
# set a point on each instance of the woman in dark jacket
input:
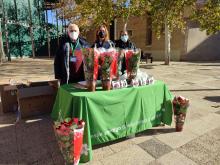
(68, 66)
(102, 38)
(124, 43)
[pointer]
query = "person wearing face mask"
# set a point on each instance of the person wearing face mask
(124, 43)
(68, 66)
(102, 38)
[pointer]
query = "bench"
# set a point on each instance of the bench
(145, 56)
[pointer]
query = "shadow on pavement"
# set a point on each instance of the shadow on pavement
(212, 98)
(183, 90)
(149, 132)
(30, 141)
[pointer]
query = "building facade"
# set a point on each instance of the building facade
(188, 45)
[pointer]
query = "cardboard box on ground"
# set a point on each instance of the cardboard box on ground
(33, 98)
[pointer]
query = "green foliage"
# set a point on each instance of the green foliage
(208, 15)
(171, 11)
(91, 13)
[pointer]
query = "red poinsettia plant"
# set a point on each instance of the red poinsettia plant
(69, 133)
(180, 105)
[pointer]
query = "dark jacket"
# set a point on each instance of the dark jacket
(124, 45)
(64, 69)
(106, 44)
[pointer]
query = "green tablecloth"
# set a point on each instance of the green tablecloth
(114, 114)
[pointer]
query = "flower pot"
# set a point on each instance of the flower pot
(91, 86)
(106, 85)
(180, 119)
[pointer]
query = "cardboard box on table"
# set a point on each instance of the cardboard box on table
(53, 83)
(9, 97)
(34, 98)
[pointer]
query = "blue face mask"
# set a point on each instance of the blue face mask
(124, 38)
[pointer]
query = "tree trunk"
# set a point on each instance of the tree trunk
(2, 54)
(4, 16)
(18, 28)
(31, 29)
(48, 34)
(58, 44)
(167, 43)
(115, 29)
(7, 42)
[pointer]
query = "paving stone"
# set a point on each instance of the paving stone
(212, 118)
(130, 156)
(155, 162)
(9, 158)
(155, 148)
(174, 158)
(214, 161)
(209, 143)
(140, 138)
(46, 162)
(122, 145)
(199, 127)
(58, 159)
(215, 133)
(101, 153)
(53, 148)
(33, 154)
(8, 148)
(176, 139)
(8, 135)
(201, 150)
(93, 163)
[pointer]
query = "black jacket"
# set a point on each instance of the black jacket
(62, 68)
(124, 45)
(106, 44)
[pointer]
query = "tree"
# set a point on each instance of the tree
(208, 16)
(2, 54)
(167, 14)
(90, 13)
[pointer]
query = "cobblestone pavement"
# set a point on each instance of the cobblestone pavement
(32, 141)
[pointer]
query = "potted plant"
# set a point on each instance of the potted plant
(69, 134)
(90, 60)
(180, 106)
(132, 63)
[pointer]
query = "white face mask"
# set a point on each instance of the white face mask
(73, 35)
(124, 38)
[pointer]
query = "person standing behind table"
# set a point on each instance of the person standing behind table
(102, 41)
(102, 38)
(124, 43)
(68, 67)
